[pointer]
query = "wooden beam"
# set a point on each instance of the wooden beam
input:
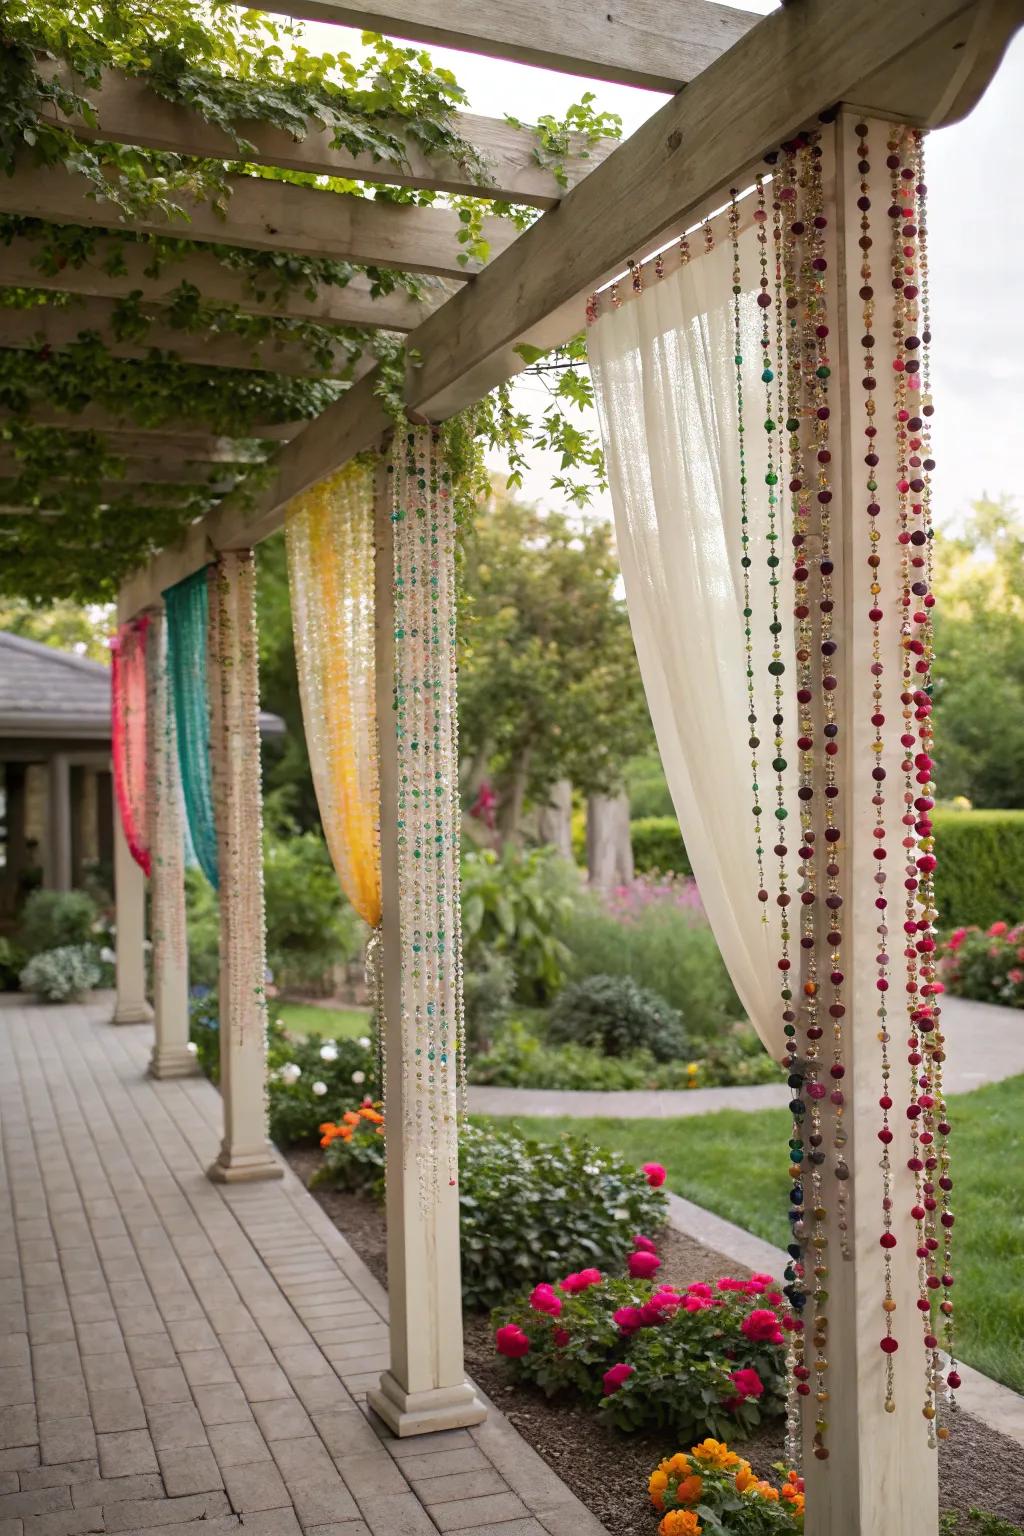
(129, 111)
(264, 215)
(637, 42)
(170, 448)
(119, 493)
(97, 418)
(98, 277)
(146, 471)
(46, 326)
(797, 63)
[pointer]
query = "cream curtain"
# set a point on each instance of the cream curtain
(665, 379)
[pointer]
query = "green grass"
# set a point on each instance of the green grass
(332, 1023)
(733, 1163)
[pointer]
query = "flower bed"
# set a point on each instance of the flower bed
(714, 1490)
(649, 1356)
(985, 964)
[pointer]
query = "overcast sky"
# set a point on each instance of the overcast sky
(976, 181)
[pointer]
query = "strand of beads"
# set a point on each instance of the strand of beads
(889, 1343)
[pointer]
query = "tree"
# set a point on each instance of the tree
(549, 685)
(979, 689)
(66, 626)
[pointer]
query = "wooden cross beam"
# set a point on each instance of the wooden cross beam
(264, 215)
(146, 471)
(100, 276)
(637, 42)
(178, 435)
(46, 326)
(129, 111)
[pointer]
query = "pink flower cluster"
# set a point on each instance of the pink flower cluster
(629, 902)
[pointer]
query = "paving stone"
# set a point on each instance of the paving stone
(104, 1373)
(55, 1360)
(64, 1522)
(19, 1458)
(176, 1426)
(372, 1473)
(280, 1522)
(458, 1485)
(100, 1338)
(111, 1490)
(16, 1385)
(18, 1426)
(64, 1440)
(235, 1444)
(126, 1452)
(193, 1470)
(139, 1320)
(398, 1515)
(163, 1384)
(192, 1333)
(320, 1393)
(444, 1440)
(302, 1360)
(490, 1509)
(525, 1527)
(14, 1351)
(154, 1513)
(34, 1501)
(307, 1457)
(148, 1351)
(260, 1383)
(257, 1485)
(223, 1403)
(319, 1499)
(205, 1367)
(247, 1349)
(282, 1419)
(52, 1475)
(340, 1528)
(437, 1463)
(51, 1328)
(117, 1408)
(58, 1398)
(93, 1309)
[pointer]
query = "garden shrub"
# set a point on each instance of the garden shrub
(727, 1493)
(360, 1130)
(62, 975)
(486, 997)
(12, 963)
(203, 924)
(515, 905)
(614, 1014)
(57, 920)
(666, 947)
(526, 1203)
(708, 1359)
(980, 874)
(987, 966)
(658, 845)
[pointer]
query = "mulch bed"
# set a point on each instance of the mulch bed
(608, 1471)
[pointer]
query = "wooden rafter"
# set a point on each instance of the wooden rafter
(266, 215)
(99, 277)
(144, 472)
(46, 326)
(638, 42)
(180, 435)
(128, 111)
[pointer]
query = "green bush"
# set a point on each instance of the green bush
(12, 963)
(615, 1015)
(658, 844)
(203, 925)
(646, 786)
(487, 997)
(62, 975)
(558, 1205)
(514, 905)
(619, 1343)
(57, 919)
(665, 947)
(987, 966)
(980, 875)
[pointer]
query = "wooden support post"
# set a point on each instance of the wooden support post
(171, 1056)
(59, 824)
(425, 1388)
(130, 938)
(245, 1152)
(880, 1474)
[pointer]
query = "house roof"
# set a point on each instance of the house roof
(46, 692)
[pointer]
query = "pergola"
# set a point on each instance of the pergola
(742, 86)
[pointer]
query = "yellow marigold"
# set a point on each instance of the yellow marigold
(689, 1490)
(713, 1453)
(680, 1522)
(656, 1485)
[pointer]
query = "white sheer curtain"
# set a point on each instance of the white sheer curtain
(665, 377)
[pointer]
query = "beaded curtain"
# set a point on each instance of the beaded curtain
(128, 734)
(187, 606)
(329, 533)
(427, 812)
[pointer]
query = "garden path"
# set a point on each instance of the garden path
(986, 1044)
(176, 1354)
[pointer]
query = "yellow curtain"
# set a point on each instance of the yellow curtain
(329, 534)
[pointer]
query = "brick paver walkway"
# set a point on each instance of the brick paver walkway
(174, 1354)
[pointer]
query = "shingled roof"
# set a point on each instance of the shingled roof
(46, 692)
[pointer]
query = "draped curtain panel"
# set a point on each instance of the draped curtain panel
(329, 533)
(665, 376)
(128, 735)
(187, 606)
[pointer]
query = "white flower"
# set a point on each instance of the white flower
(319, 1089)
(365, 1042)
(359, 1077)
(328, 1053)
(108, 956)
(290, 1072)
(192, 1047)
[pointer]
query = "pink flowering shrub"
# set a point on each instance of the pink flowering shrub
(707, 1359)
(985, 964)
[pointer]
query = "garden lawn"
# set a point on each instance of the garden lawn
(734, 1164)
(332, 1023)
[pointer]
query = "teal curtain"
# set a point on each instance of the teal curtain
(187, 607)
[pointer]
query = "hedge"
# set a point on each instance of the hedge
(980, 875)
(657, 844)
(980, 878)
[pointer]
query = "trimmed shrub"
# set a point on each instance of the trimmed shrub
(56, 920)
(658, 844)
(523, 1204)
(980, 875)
(62, 975)
(615, 1015)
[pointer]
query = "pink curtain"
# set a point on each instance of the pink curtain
(128, 734)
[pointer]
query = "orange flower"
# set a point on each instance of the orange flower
(744, 1477)
(765, 1491)
(689, 1490)
(350, 1117)
(656, 1485)
(680, 1522)
(369, 1113)
(677, 1465)
(714, 1453)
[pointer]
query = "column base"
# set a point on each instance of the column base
(172, 1062)
(424, 1413)
(132, 1013)
(244, 1168)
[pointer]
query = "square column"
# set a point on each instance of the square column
(171, 1055)
(130, 939)
(59, 860)
(425, 1388)
(233, 681)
